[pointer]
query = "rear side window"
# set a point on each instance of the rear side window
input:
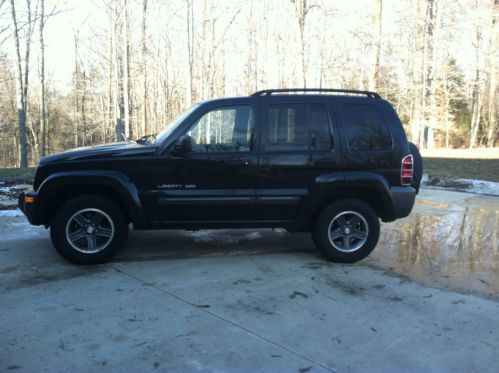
(366, 128)
(298, 127)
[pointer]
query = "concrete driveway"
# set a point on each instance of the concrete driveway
(426, 300)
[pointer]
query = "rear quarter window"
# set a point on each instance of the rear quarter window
(366, 128)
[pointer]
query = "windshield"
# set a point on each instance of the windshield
(173, 126)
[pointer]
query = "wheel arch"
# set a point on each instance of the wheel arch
(368, 187)
(60, 187)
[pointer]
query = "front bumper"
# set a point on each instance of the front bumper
(403, 200)
(26, 202)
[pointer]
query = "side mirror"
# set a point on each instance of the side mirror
(183, 145)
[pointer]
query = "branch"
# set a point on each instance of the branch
(226, 29)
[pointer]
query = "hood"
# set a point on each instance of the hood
(114, 150)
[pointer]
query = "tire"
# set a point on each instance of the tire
(348, 218)
(418, 166)
(89, 229)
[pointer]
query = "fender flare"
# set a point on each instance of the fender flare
(117, 181)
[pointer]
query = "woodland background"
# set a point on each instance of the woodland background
(138, 64)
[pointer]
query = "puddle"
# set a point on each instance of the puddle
(450, 241)
(454, 246)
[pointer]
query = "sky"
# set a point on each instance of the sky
(83, 16)
(75, 16)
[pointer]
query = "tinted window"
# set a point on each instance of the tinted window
(298, 127)
(223, 130)
(366, 128)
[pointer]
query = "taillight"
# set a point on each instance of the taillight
(407, 170)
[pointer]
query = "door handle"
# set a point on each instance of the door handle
(310, 161)
(238, 162)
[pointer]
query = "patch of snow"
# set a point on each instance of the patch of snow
(22, 187)
(465, 185)
(480, 186)
(221, 236)
(11, 213)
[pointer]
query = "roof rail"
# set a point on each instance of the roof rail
(268, 92)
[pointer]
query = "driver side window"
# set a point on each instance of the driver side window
(226, 129)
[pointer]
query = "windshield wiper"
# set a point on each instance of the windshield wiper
(147, 139)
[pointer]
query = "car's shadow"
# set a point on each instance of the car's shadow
(151, 245)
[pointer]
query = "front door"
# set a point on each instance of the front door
(215, 182)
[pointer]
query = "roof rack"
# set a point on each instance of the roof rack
(268, 92)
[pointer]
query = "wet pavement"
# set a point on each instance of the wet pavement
(450, 240)
(426, 300)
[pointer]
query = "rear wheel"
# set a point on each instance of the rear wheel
(89, 229)
(347, 231)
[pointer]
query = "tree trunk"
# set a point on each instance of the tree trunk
(190, 47)
(302, 44)
(21, 105)
(120, 131)
(146, 128)
(75, 98)
(492, 130)
(374, 81)
(110, 81)
(43, 113)
(301, 10)
(428, 107)
(84, 107)
(475, 98)
(126, 76)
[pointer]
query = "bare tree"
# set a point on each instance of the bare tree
(20, 89)
(429, 30)
(43, 111)
(190, 49)
(117, 92)
(139, 72)
(375, 79)
(476, 93)
(302, 9)
(146, 128)
(126, 74)
(110, 69)
(492, 107)
(75, 84)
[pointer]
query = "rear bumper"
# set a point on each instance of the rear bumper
(403, 200)
(28, 208)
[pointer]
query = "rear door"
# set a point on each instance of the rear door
(298, 140)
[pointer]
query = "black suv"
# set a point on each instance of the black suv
(331, 162)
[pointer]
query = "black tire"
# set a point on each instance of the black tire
(80, 212)
(330, 217)
(418, 166)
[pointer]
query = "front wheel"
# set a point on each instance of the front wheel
(347, 231)
(89, 230)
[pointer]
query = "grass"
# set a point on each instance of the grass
(13, 172)
(449, 164)
(446, 169)
(476, 153)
